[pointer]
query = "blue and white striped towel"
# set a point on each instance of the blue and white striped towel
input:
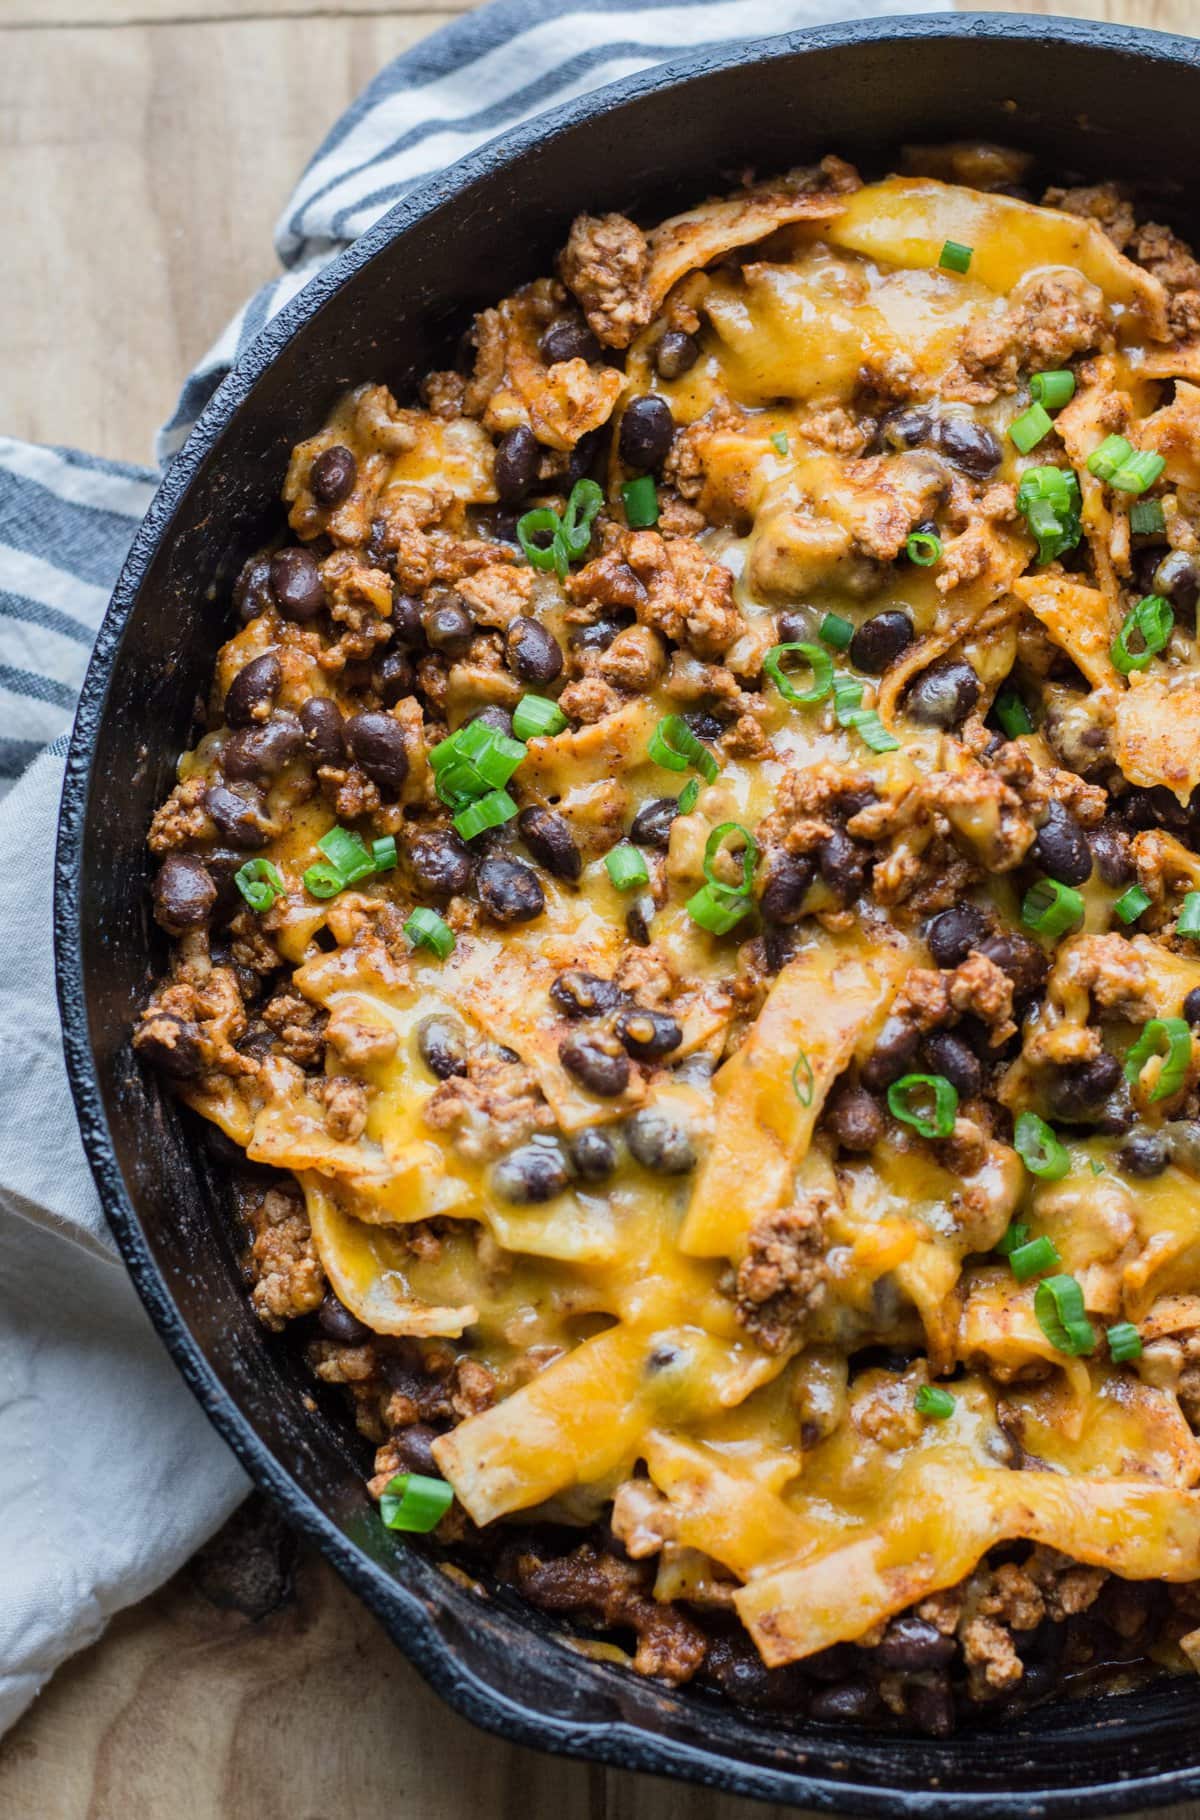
(87, 1396)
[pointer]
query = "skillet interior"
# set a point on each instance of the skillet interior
(1089, 100)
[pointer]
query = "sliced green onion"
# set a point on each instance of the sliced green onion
(847, 697)
(871, 730)
(490, 811)
(674, 746)
(1170, 1037)
(718, 910)
(575, 532)
(476, 759)
(935, 1122)
(1016, 1236)
(1096, 1168)
(537, 717)
(499, 760)
(1140, 470)
(1058, 1305)
(414, 1503)
(1054, 390)
(1131, 903)
(426, 929)
(1038, 1148)
(923, 547)
(1152, 621)
(260, 883)
(1027, 430)
(779, 442)
(1012, 713)
(803, 1085)
(1189, 915)
(1104, 461)
(1050, 908)
(749, 857)
(955, 257)
(383, 853)
(640, 499)
(1124, 1343)
(1146, 518)
(1033, 1259)
(689, 796)
(932, 1400)
(323, 880)
(543, 522)
(347, 853)
(626, 867)
(1049, 500)
(836, 631)
(819, 662)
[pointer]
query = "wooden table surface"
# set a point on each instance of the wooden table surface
(147, 147)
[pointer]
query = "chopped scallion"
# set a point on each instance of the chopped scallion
(426, 929)
(819, 662)
(1039, 1149)
(415, 1503)
(383, 853)
(626, 867)
(955, 257)
(748, 853)
(1059, 1308)
(1124, 1343)
(490, 811)
(1104, 460)
(1138, 471)
(1012, 713)
(537, 717)
(640, 499)
(533, 529)
(674, 746)
(779, 442)
(1050, 908)
(1189, 916)
(717, 910)
(1170, 1038)
(1054, 390)
(1131, 903)
(932, 1400)
(260, 883)
(1027, 430)
(1146, 518)
(909, 1101)
(347, 854)
(1033, 1259)
(836, 631)
(1016, 1236)
(1150, 623)
(923, 547)
(803, 1085)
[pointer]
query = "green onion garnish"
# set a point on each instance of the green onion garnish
(383, 853)
(924, 548)
(1016, 1236)
(1104, 461)
(426, 929)
(718, 910)
(818, 660)
(575, 530)
(674, 746)
(1131, 903)
(748, 853)
(472, 762)
(1058, 1305)
(1140, 470)
(1147, 518)
(537, 717)
(1189, 915)
(779, 442)
(640, 499)
(689, 796)
(1027, 430)
(932, 1400)
(849, 712)
(1151, 621)
(260, 883)
(1050, 908)
(1124, 1343)
(1049, 500)
(347, 854)
(1170, 1037)
(323, 880)
(1012, 713)
(543, 522)
(836, 631)
(1038, 1148)
(1054, 390)
(411, 1501)
(803, 1085)
(955, 257)
(626, 867)
(936, 1121)
(490, 811)
(1032, 1260)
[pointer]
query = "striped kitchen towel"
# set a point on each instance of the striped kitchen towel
(82, 1376)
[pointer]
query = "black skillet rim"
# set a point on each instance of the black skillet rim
(621, 1744)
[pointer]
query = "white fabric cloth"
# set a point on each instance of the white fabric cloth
(109, 1475)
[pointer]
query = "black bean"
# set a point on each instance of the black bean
(796, 625)
(593, 1154)
(252, 589)
(855, 1119)
(578, 993)
(648, 1035)
(495, 716)
(377, 745)
(532, 654)
(171, 1044)
(333, 475)
(337, 1323)
(647, 431)
(395, 677)
(238, 814)
(1183, 1141)
(1144, 1153)
(548, 837)
(943, 695)
(969, 446)
(296, 584)
(442, 863)
(184, 893)
(449, 627)
(568, 339)
(1191, 1006)
(324, 730)
(930, 1706)
(255, 754)
(879, 641)
(639, 917)
(911, 1644)
(1061, 847)
(413, 1448)
(658, 1143)
(952, 934)
(652, 823)
(894, 1052)
(908, 429)
(516, 465)
(1178, 578)
(583, 459)
(1073, 1093)
(1020, 958)
(1110, 850)
(534, 1172)
(251, 695)
(844, 1701)
(442, 1045)
(408, 628)
(1139, 810)
(600, 634)
(597, 1060)
(842, 863)
(947, 1054)
(703, 724)
(509, 890)
(785, 887)
(676, 353)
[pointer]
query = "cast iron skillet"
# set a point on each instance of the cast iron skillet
(1094, 100)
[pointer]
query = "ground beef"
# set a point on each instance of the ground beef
(493, 1107)
(1054, 317)
(612, 1592)
(299, 1028)
(605, 264)
(784, 1276)
(285, 1273)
